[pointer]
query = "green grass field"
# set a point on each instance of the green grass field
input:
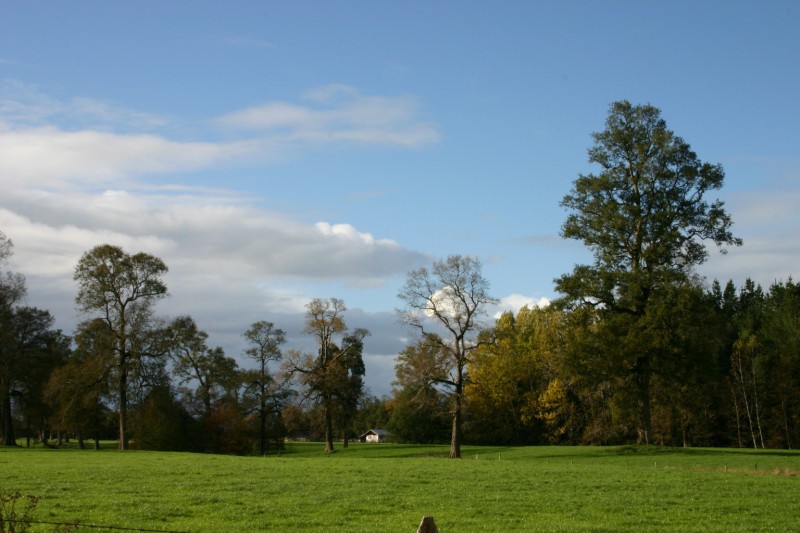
(388, 488)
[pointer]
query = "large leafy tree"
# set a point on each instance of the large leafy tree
(645, 216)
(29, 348)
(28, 353)
(77, 391)
(445, 305)
(420, 411)
(194, 362)
(121, 289)
(510, 373)
(12, 290)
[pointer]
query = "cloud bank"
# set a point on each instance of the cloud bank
(78, 173)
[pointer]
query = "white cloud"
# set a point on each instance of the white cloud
(515, 302)
(767, 222)
(348, 232)
(70, 180)
(49, 143)
(230, 262)
(512, 302)
(194, 230)
(48, 157)
(339, 114)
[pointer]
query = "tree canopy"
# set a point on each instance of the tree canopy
(120, 289)
(645, 216)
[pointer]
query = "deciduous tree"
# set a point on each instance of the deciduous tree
(121, 290)
(194, 361)
(329, 376)
(510, 372)
(29, 347)
(265, 348)
(420, 411)
(30, 350)
(645, 217)
(451, 298)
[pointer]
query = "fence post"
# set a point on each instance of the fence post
(427, 525)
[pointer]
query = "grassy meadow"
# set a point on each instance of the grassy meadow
(389, 487)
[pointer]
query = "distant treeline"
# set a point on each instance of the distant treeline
(724, 371)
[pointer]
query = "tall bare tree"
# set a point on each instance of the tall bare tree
(265, 347)
(446, 305)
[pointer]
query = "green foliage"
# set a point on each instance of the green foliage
(764, 363)
(509, 373)
(334, 377)
(29, 350)
(645, 217)
(120, 289)
(77, 390)
(420, 412)
(161, 423)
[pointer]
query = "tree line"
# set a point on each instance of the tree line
(636, 349)
(133, 376)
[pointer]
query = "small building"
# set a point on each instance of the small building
(375, 435)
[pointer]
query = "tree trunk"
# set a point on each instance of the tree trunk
(124, 443)
(262, 414)
(755, 401)
(328, 427)
(738, 416)
(9, 438)
(455, 435)
(643, 399)
(786, 423)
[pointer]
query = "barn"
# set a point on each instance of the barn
(375, 435)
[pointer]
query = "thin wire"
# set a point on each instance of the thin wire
(79, 524)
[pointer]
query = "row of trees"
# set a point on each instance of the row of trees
(724, 371)
(159, 378)
(636, 349)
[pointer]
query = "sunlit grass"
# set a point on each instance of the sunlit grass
(388, 487)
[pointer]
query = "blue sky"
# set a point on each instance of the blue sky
(274, 152)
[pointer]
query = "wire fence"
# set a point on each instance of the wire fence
(68, 527)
